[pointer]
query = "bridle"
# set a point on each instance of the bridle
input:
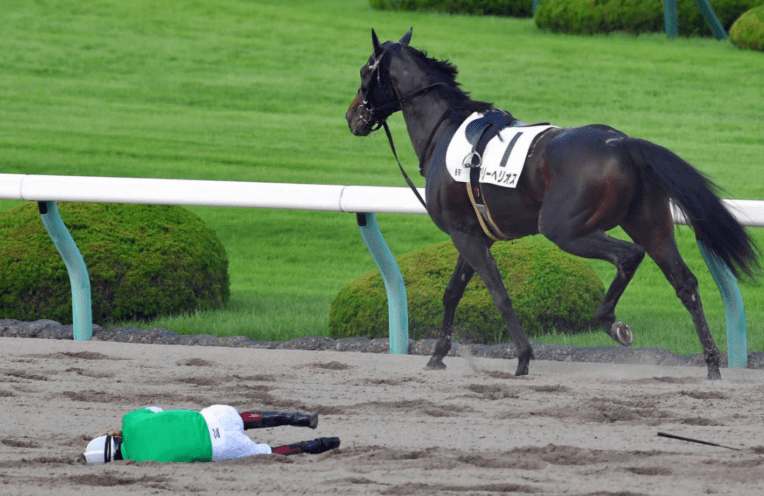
(378, 114)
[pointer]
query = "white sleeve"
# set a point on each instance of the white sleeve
(154, 409)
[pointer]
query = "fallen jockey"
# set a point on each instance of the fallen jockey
(213, 434)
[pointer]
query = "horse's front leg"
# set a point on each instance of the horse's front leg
(453, 294)
(475, 250)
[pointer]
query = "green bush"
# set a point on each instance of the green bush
(144, 261)
(570, 16)
(633, 16)
(748, 30)
(550, 290)
(506, 8)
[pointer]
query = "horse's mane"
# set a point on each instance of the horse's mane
(443, 71)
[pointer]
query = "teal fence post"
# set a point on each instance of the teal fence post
(669, 18)
(397, 304)
(75, 265)
(535, 6)
(711, 19)
(734, 312)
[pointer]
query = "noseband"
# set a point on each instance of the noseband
(379, 114)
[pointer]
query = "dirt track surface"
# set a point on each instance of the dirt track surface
(568, 428)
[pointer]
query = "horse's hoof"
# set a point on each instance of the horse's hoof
(714, 374)
(622, 333)
(524, 358)
(435, 364)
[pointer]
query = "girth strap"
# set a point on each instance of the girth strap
(484, 215)
(479, 132)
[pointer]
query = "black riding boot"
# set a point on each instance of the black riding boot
(314, 447)
(259, 420)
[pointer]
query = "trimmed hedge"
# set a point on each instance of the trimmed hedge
(144, 261)
(748, 30)
(551, 291)
(506, 8)
(633, 16)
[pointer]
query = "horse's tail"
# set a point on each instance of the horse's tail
(697, 197)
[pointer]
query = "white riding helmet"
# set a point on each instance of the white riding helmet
(103, 449)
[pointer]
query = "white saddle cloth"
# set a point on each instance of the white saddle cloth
(504, 156)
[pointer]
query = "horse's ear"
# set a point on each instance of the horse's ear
(406, 37)
(375, 41)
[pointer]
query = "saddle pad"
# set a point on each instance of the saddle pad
(503, 158)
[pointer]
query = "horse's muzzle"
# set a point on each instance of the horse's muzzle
(359, 118)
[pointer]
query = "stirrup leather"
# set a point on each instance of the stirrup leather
(483, 214)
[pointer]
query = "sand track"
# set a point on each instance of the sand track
(568, 428)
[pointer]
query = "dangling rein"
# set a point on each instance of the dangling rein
(427, 145)
(383, 123)
(483, 215)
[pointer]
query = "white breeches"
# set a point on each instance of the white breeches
(227, 434)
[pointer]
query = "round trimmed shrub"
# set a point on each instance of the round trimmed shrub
(550, 290)
(633, 16)
(144, 261)
(748, 30)
(506, 8)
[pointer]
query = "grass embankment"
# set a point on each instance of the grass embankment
(256, 91)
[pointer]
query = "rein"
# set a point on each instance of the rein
(378, 115)
(377, 123)
(421, 160)
(382, 109)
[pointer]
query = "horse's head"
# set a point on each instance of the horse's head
(376, 99)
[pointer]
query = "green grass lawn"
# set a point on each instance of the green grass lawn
(256, 91)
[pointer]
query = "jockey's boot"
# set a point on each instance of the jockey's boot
(259, 420)
(314, 447)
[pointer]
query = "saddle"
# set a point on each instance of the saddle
(479, 132)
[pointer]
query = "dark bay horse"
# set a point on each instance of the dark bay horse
(577, 184)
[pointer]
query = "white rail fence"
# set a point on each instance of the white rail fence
(322, 197)
(190, 192)
(365, 201)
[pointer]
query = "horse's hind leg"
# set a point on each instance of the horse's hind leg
(661, 245)
(686, 286)
(626, 258)
(475, 251)
(453, 294)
